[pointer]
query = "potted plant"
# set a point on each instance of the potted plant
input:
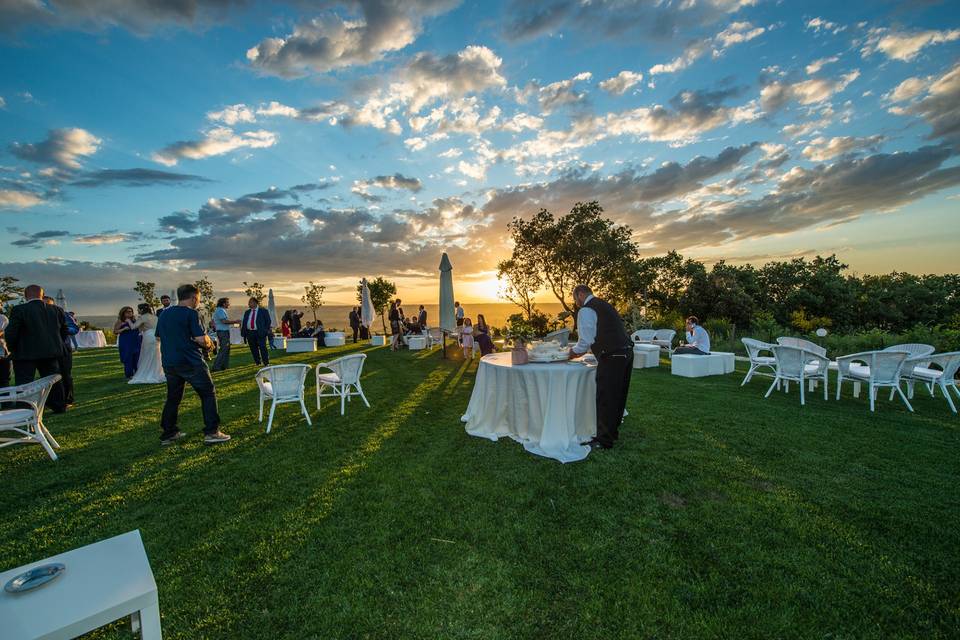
(519, 333)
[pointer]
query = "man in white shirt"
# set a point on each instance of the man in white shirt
(600, 330)
(698, 340)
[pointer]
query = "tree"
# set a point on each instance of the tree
(581, 247)
(147, 291)
(205, 287)
(520, 280)
(254, 290)
(9, 291)
(381, 292)
(313, 297)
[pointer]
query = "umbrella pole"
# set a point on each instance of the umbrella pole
(443, 346)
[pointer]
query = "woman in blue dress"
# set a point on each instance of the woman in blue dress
(128, 341)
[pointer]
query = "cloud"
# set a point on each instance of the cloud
(618, 84)
(904, 46)
(65, 148)
(735, 33)
(3, 103)
(819, 24)
(233, 114)
(107, 237)
(134, 178)
(428, 77)
(821, 149)
(555, 94)
(909, 88)
(815, 66)
(776, 94)
(939, 107)
(179, 221)
(40, 239)
(691, 54)
(216, 141)
(615, 18)
(331, 41)
(18, 199)
(395, 182)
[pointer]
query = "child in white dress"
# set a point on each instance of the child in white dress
(466, 338)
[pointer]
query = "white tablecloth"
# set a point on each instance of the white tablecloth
(235, 336)
(91, 339)
(549, 408)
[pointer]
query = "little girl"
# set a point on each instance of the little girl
(467, 338)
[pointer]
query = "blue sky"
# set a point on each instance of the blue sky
(325, 141)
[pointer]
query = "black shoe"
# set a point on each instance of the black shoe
(171, 439)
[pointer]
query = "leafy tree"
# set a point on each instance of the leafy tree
(254, 290)
(581, 247)
(381, 292)
(148, 293)
(9, 290)
(520, 280)
(313, 297)
(205, 287)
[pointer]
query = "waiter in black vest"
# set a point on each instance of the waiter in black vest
(601, 331)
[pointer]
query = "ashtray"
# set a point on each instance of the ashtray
(34, 578)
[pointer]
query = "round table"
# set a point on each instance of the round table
(91, 339)
(549, 408)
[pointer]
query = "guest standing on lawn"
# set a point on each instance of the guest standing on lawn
(182, 343)
(165, 303)
(128, 341)
(698, 340)
(35, 338)
(4, 353)
(222, 324)
(355, 322)
(601, 331)
(254, 328)
(484, 341)
(66, 359)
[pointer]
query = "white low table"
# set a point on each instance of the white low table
(416, 343)
(378, 341)
(90, 340)
(103, 582)
(549, 408)
(301, 345)
(715, 363)
(646, 356)
(335, 338)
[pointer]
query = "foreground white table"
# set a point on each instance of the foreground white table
(91, 339)
(301, 345)
(103, 582)
(335, 338)
(549, 408)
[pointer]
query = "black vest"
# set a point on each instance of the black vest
(611, 335)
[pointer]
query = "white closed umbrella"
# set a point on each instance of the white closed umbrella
(448, 320)
(61, 300)
(272, 309)
(366, 305)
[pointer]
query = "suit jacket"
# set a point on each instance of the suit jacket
(422, 319)
(354, 319)
(262, 325)
(36, 331)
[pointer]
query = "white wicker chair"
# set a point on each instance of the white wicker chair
(918, 370)
(560, 335)
(877, 369)
(798, 365)
(757, 361)
(344, 374)
(664, 339)
(28, 421)
(644, 335)
(800, 343)
(282, 383)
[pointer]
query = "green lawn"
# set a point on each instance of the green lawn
(720, 515)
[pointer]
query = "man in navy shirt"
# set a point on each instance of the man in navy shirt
(182, 342)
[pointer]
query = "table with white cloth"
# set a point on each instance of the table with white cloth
(550, 408)
(235, 336)
(91, 339)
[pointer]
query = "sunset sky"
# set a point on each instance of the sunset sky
(331, 140)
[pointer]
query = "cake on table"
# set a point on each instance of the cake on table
(547, 351)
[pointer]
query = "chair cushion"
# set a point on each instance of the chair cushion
(15, 416)
(763, 360)
(926, 374)
(810, 369)
(267, 388)
(328, 378)
(860, 371)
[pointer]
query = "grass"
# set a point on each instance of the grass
(720, 515)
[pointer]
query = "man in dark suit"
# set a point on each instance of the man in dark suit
(66, 360)
(35, 338)
(422, 319)
(165, 303)
(254, 329)
(355, 322)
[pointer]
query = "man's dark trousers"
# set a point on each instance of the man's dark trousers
(222, 361)
(24, 371)
(613, 385)
(198, 377)
(258, 348)
(356, 330)
(66, 371)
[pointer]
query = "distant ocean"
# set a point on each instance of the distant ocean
(335, 316)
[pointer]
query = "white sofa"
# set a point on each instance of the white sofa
(301, 345)
(690, 366)
(646, 356)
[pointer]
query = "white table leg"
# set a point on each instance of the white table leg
(150, 623)
(856, 389)
(135, 622)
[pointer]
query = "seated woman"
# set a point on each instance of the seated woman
(483, 336)
(698, 340)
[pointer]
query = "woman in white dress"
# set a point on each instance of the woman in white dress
(149, 368)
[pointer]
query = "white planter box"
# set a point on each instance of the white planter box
(690, 366)
(378, 341)
(646, 356)
(335, 339)
(301, 345)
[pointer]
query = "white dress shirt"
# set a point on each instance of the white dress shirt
(699, 338)
(586, 328)
(252, 320)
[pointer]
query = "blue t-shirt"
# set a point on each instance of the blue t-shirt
(176, 329)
